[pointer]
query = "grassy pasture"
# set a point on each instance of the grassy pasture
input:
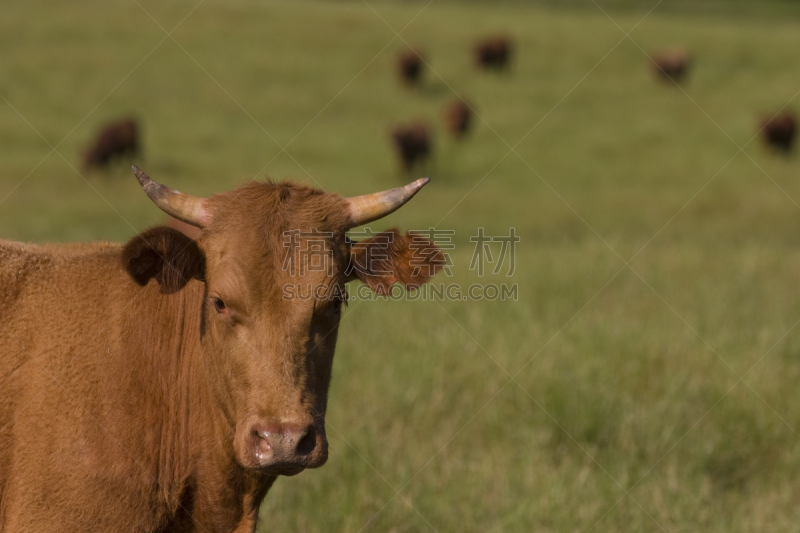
(653, 347)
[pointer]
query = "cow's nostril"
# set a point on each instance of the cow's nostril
(307, 443)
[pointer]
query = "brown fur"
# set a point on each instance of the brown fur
(458, 118)
(165, 254)
(409, 67)
(671, 65)
(127, 397)
(113, 141)
(391, 257)
(778, 132)
(494, 53)
(412, 142)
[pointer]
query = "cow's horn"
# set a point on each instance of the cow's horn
(185, 207)
(377, 205)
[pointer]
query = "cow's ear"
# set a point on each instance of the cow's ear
(165, 254)
(390, 257)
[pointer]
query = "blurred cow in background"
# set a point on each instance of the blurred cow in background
(778, 131)
(458, 118)
(412, 142)
(409, 67)
(493, 53)
(115, 140)
(671, 65)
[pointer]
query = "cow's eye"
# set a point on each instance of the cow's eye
(219, 305)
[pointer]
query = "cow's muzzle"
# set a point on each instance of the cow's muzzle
(286, 448)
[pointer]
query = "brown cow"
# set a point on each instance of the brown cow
(458, 118)
(412, 142)
(163, 385)
(493, 53)
(409, 67)
(778, 131)
(671, 65)
(113, 141)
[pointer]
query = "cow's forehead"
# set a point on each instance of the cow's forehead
(262, 222)
(267, 210)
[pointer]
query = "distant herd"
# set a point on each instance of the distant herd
(777, 130)
(412, 141)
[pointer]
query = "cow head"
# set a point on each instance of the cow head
(274, 260)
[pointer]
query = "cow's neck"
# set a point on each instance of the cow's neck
(196, 468)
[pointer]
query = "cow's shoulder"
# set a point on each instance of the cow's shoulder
(23, 265)
(17, 262)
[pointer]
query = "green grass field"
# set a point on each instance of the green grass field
(645, 380)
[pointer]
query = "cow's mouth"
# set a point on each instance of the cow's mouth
(284, 470)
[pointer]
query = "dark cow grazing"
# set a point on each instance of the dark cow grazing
(409, 67)
(671, 65)
(458, 118)
(413, 143)
(162, 385)
(494, 53)
(115, 140)
(778, 131)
